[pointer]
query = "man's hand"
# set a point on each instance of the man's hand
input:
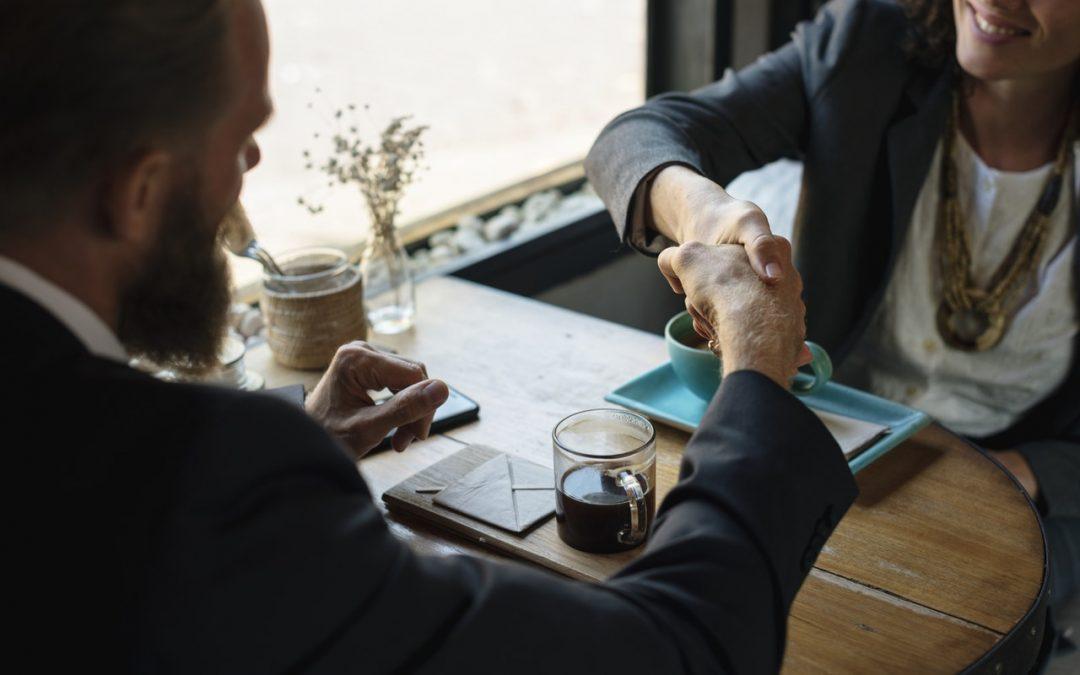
(687, 207)
(341, 403)
(753, 326)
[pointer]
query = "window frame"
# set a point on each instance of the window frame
(682, 52)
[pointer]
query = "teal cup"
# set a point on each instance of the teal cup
(699, 369)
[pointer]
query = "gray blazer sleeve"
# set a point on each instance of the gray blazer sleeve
(742, 122)
(277, 560)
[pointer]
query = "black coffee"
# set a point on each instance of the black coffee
(304, 270)
(695, 341)
(591, 509)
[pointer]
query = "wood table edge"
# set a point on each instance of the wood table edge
(1027, 641)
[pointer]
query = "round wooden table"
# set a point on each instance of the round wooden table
(939, 566)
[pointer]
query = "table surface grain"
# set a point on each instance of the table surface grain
(939, 558)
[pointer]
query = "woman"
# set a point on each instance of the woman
(937, 226)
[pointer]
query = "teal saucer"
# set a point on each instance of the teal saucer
(659, 395)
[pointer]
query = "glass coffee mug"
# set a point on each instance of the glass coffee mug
(605, 479)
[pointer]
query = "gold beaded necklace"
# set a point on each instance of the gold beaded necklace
(972, 318)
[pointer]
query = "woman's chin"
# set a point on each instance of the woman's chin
(978, 63)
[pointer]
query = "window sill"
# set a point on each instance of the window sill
(417, 235)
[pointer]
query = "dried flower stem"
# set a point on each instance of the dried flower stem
(382, 171)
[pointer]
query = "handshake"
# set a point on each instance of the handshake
(750, 323)
(740, 284)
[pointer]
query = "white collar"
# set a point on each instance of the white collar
(65, 307)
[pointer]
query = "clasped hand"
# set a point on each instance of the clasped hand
(752, 325)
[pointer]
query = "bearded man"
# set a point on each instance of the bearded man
(163, 527)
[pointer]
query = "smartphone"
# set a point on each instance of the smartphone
(459, 409)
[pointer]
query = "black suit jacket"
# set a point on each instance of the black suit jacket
(843, 98)
(176, 528)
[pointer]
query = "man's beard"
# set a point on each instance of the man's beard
(176, 311)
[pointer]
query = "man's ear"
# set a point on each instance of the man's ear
(136, 196)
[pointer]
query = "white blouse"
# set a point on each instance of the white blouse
(902, 356)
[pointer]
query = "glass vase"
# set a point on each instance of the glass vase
(389, 295)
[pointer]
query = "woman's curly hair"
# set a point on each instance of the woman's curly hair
(933, 35)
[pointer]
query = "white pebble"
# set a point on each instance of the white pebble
(236, 313)
(501, 226)
(474, 223)
(577, 204)
(420, 266)
(442, 238)
(538, 206)
(441, 254)
(251, 323)
(512, 212)
(468, 240)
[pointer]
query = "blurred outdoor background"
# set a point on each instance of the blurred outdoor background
(509, 89)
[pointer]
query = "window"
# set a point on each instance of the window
(510, 89)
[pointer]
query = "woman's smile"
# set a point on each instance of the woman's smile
(994, 29)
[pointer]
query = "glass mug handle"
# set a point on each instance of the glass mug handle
(639, 512)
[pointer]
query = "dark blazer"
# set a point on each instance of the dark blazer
(843, 98)
(176, 528)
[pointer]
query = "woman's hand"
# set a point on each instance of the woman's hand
(687, 207)
(341, 403)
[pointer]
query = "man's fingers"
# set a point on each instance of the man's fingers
(364, 368)
(395, 372)
(702, 331)
(701, 326)
(413, 429)
(409, 405)
(805, 357)
(666, 262)
(425, 426)
(421, 428)
(418, 430)
(401, 440)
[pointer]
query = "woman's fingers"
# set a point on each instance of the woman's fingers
(666, 262)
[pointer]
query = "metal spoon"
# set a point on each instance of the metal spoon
(239, 238)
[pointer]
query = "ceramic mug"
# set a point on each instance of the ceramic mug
(699, 369)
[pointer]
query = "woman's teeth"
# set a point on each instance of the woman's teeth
(990, 28)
